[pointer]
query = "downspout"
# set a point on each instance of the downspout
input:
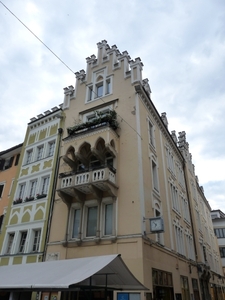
(188, 195)
(60, 131)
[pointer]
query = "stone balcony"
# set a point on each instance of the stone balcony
(95, 181)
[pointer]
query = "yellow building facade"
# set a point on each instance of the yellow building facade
(26, 223)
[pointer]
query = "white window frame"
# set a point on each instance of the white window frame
(175, 198)
(51, 148)
(104, 204)
(186, 212)
(22, 241)
(92, 115)
(44, 185)
(87, 209)
(99, 78)
(151, 132)
(21, 190)
(170, 160)
(73, 211)
(33, 188)
(10, 242)
(40, 152)
(36, 239)
(28, 157)
(180, 175)
(179, 239)
(155, 179)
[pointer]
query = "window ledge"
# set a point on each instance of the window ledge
(96, 240)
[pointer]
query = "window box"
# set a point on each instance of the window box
(29, 199)
(107, 119)
(39, 196)
(17, 201)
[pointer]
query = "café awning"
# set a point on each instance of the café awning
(98, 272)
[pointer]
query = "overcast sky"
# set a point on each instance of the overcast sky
(181, 44)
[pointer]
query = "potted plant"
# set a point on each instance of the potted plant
(110, 118)
(29, 199)
(17, 201)
(39, 196)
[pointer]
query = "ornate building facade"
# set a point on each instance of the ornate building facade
(127, 185)
(26, 224)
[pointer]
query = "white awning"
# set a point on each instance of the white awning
(109, 270)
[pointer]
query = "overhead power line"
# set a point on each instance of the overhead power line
(37, 37)
(122, 119)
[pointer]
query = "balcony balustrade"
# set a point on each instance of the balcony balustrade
(103, 178)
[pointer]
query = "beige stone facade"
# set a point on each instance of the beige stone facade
(120, 167)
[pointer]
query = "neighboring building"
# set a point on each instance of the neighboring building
(218, 219)
(9, 160)
(121, 173)
(27, 220)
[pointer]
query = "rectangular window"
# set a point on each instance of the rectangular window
(22, 241)
(155, 176)
(181, 176)
(174, 197)
(33, 186)
(186, 213)
(108, 230)
(170, 161)
(76, 223)
(7, 163)
(184, 288)
(190, 247)
(10, 243)
(151, 133)
(90, 93)
(40, 150)
(29, 156)
(92, 221)
(108, 86)
(179, 240)
(100, 90)
(51, 148)
(44, 186)
(220, 232)
(21, 191)
(37, 236)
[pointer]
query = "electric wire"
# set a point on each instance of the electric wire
(38, 38)
(122, 119)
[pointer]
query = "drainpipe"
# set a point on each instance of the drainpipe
(60, 131)
(188, 195)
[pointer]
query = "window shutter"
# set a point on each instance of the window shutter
(1, 221)
(10, 162)
(17, 159)
(2, 162)
(1, 189)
